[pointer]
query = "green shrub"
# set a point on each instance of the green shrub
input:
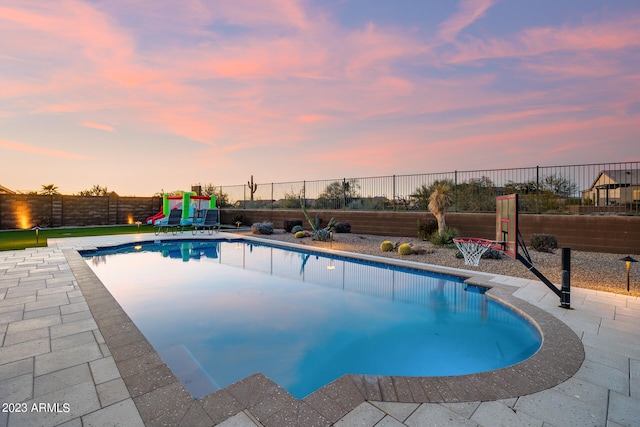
(426, 228)
(289, 224)
(299, 234)
(446, 240)
(322, 235)
(386, 246)
(405, 249)
(296, 228)
(264, 227)
(342, 227)
(493, 254)
(544, 242)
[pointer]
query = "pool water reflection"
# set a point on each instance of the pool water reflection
(219, 311)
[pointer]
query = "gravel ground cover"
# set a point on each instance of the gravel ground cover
(592, 270)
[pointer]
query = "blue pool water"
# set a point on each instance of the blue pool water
(219, 311)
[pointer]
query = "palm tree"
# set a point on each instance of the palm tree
(439, 201)
(49, 189)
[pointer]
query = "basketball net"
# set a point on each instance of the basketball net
(472, 249)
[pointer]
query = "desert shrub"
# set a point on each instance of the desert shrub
(446, 239)
(386, 246)
(322, 235)
(299, 234)
(296, 228)
(264, 227)
(427, 228)
(544, 242)
(342, 227)
(493, 254)
(290, 223)
(405, 249)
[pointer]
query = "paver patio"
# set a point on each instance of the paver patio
(66, 349)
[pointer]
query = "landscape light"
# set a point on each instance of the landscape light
(138, 224)
(37, 230)
(628, 260)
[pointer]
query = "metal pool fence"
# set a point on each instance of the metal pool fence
(604, 188)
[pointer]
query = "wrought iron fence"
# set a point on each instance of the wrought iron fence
(605, 188)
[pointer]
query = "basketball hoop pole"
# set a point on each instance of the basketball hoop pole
(565, 293)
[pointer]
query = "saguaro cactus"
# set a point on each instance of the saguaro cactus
(252, 187)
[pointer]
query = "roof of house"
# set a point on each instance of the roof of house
(620, 177)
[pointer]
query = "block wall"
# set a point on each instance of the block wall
(20, 211)
(603, 233)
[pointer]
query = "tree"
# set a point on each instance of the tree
(439, 201)
(559, 185)
(338, 194)
(95, 191)
(49, 190)
(421, 196)
(292, 199)
(222, 199)
(476, 195)
(529, 187)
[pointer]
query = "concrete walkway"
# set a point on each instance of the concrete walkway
(57, 369)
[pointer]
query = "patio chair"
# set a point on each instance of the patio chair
(210, 222)
(173, 222)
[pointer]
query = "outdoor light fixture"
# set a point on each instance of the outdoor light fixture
(37, 230)
(331, 238)
(138, 224)
(628, 260)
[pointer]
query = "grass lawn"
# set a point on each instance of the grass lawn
(21, 239)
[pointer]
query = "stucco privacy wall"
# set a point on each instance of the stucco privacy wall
(603, 233)
(612, 234)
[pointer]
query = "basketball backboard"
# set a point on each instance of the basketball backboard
(507, 224)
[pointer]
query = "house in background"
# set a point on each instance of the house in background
(5, 190)
(614, 188)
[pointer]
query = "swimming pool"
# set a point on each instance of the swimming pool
(218, 311)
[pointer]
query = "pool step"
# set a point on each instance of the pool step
(189, 371)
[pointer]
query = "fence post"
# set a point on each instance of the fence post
(272, 196)
(344, 193)
(537, 189)
(304, 193)
(455, 190)
(394, 193)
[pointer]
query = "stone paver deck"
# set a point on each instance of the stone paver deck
(71, 356)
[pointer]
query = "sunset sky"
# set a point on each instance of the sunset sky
(145, 95)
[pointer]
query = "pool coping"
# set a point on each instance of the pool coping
(161, 398)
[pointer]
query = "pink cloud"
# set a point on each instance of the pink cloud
(293, 75)
(468, 12)
(97, 126)
(605, 36)
(287, 13)
(27, 148)
(544, 136)
(311, 118)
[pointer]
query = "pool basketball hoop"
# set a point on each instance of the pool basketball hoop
(473, 248)
(510, 242)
